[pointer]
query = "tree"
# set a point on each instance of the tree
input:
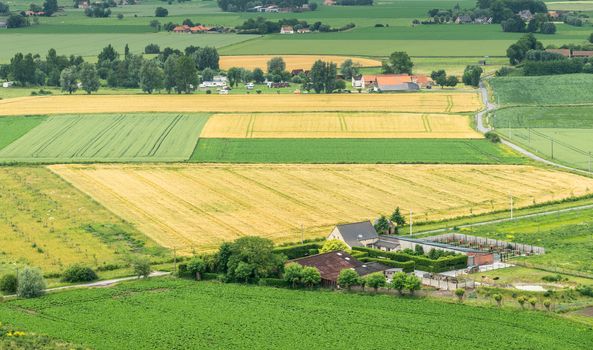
(322, 76)
(498, 298)
(513, 24)
(79, 273)
(234, 76)
(276, 65)
(68, 80)
(310, 276)
(31, 283)
(186, 74)
(50, 7)
(151, 76)
(170, 69)
(196, 267)
(17, 21)
(413, 284)
(376, 280)
(4, 9)
(126, 51)
(22, 69)
(152, 49)
(108, 54)
(591, 38)
(258, 76)
(398, 219)
(471, 75)
(439, 77)
(155, 24)
(141, 267)
(89, 80)
(332, 245)
(521, 300)
(398, 282)
(161, 12)
(459, 293)
(293, 273)
(533, 302)
(452, 81)
(255, 253)
(348, 278)
(399, 62)
(382, 225)
(207, 57)
(418, 250)
(8, 283)
(349, 69)
(548, 28)
(547, 304)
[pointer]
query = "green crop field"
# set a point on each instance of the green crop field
(185, 314)
(352, 151)
(543, 90)
(11, 128)
(131, 137)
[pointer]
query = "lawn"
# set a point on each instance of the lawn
(467, 151)
(198, 206)
(11, 128)
(543, 90)
(45, 222)
(250, 317)
(131, 137)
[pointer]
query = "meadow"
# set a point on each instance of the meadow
(339, 125)
(249, 317)
(365, 151)
(423, 102)
(47, 223)
(131, 137)
(198, 206)
(292, 61)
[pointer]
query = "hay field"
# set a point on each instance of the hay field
(338, 125)
(423, 102)
(100, 137)
(292, 61)
(198, 206)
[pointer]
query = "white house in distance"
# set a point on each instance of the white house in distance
(287, 30)
(217, 81)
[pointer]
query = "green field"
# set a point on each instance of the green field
(11, 128)
(85, 138)
(352, 151)
(543, 90)
(184, 314)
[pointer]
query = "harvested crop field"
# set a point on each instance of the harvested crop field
(422, 102)
(198, 206)
(339, 125)
(132, 137)
(292, 61)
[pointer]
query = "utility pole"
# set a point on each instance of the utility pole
(411, 222)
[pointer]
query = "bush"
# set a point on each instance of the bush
(298, 251)
(161, 12)
(553, 278)
(141, 267)
(273, 282)
(8, 284)
(585, 290)
(503, 71)
(79, 273)
(31, 283)
(548, 28)
(492, 137)
(208, 276)
(422, 263)
(152, 49)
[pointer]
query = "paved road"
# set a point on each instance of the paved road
(103, 283)
(484, 129)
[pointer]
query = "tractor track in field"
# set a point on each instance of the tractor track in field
(484, 129)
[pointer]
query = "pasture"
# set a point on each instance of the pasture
(338, 125)
(292, 61)
(199, 206)
(45, 222)
(250, 317)
(131, 137)
(422, 102)
(364, 151)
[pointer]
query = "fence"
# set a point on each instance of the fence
(446, 283)
(473, 241)
(553, 269)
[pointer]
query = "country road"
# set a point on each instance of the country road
(483, 129)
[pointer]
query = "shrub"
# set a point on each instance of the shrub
(79, 273)
(552, 278)
(161, 12)
(585, 290)
(31, 283)
(492, 137)
(398, 282)
(293, 274)
(547, 304)
(273, 282)
(413, 284)
(298, 251)
(459, 293)
(533, 302)
(498, 298)
(333, 245)
(152, 49)
(375, 280)
(8, 284)
(141, 267)
(348, 278)
(310, 276)
(196, 267)
(521, 300)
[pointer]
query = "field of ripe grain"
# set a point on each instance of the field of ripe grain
(292, 61)
(47, 223)
(98, 137)
(198, 206)
(338, 125)
(422, 102)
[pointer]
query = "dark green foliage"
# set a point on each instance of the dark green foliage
(273, 282)
(298, 251)
(399, 62)
(152, 49)
(548, 28)
(31, 283)
(50, 7)
(196, 267)
(382, 225)
(161, 12)
(4, 9)
(78, 273)
(421, 263)
(418, 250)
(531, 68)
(407, 266)
(585, 290)
(322, 77)
(553, 278)
(250, 258)
(8, 284)
(513, 24)
(492, 137)
(518, 51)
(472, 75)
(17, 21)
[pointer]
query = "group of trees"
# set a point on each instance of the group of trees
(400, 281)
(441, 78)
(399, 63)
(262, 26)
(354, 2)
(27, 283)
(395, 221)
(540, 23)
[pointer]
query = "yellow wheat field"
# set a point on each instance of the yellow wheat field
(339, 125)
(424, 102)
(198, 206)
(292, 61)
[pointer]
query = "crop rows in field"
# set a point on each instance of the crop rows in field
(44, 222)
(134, 137)
(199, 206)
(236, 316)
(423, 102)
(338, 125)
(292, 61)
(363, 151)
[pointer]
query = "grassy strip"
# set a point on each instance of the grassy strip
(12, 128)
(370, 151)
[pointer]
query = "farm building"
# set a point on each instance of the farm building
(3, 25)
(525, 15)
(217, 81)
(330, 264)
(563, 52)
(358, 234)
(391, 82)
(287, 30)
(576, 53)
